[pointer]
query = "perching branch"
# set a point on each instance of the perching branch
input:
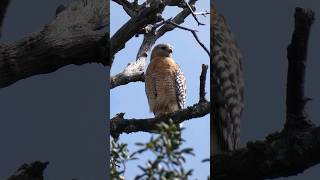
(297, 146)
(135, 70)
(73, 37)
(119, 124)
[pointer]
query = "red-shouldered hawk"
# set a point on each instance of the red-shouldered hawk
(227, 86)
(165, 84)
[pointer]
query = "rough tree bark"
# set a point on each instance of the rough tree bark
(297, 146)
(73, 37)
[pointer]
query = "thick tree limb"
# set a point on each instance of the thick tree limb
(3, 9)
(297, 58)
(280, 155)
(130, 8)
(297, 146)
(73, 37)
(147, 15)
(32, 171)
(135, 71)
(119, 124)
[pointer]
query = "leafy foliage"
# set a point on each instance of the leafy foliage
(166, 147)
(119, 154)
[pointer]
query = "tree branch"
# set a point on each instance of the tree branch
(73, 37)
(147, 15)
(119, 124)
(280, 155)
(297, 58)
(193, 14)
(297, 146)
(203, 76)
(194, 35)
(130, 8)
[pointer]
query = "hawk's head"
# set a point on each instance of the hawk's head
(162, 50)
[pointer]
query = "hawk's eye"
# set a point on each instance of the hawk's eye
(163, 47)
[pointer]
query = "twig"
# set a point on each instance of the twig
(194, 35)
(202, 13)
(193, 14)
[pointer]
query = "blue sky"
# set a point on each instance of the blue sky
(132, 100)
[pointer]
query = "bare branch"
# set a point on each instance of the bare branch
(194, 35)
(178, 19)
(205, 13)
(147, 15)
(280, 155)
(203, 76)
(119, 124)
(73, 37)
(131, 8)
(126, 77)
(193, 14)
(297, 58)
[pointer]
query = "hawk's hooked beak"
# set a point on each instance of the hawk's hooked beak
(170, 50)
